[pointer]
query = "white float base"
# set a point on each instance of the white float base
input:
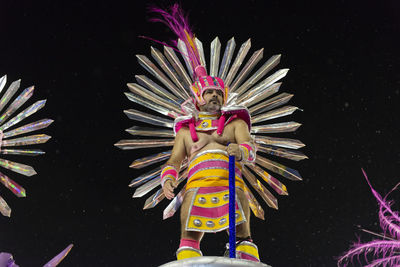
(213, 262)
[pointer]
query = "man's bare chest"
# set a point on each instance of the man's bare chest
(210, 140)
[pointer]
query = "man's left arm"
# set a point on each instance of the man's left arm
(244, 149)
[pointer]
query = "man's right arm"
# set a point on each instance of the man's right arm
(173, 165)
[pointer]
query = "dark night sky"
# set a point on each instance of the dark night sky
(344, 59)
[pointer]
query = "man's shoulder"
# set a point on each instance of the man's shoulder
(238, 122)
(182, 132)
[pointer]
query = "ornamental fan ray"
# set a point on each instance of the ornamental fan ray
(249, 87)
(10, 135)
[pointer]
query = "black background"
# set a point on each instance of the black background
(344, 60)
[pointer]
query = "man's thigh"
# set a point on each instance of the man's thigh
(184, 215)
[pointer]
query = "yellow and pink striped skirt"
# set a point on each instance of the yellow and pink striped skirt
(208, 176)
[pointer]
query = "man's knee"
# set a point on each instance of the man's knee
(192, 235)
(243, 230)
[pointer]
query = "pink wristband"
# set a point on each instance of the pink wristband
(169, 172)
(248, 152)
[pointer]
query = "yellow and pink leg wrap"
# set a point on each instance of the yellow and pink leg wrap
(188, 248)
(247, 250)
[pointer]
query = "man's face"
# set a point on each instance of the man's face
(213, 99)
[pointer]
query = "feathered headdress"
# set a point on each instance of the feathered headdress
(178, 23)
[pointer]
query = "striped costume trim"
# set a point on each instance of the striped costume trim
(210, 168)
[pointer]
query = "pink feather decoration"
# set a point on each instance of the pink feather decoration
(378, 252)
(179, 24)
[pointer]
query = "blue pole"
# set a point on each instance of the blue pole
(232, 204)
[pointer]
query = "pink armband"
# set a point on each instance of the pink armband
(169, 172)
(248, 152)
